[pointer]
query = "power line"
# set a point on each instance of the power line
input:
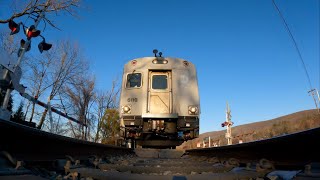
(294, 42)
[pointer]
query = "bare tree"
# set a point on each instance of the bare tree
(105, 100)
(68, 64)
(8, 44)
(33, 8)
(101, 105)
(37, 76)
(81, 95)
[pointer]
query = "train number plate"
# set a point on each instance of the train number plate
(132, 99)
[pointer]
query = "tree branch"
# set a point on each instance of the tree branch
(48, 6)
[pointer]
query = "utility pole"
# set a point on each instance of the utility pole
(316, 99)
(228, 123)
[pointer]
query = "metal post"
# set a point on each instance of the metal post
(50, 114)
(318, 99)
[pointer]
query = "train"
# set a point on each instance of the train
(159, 102)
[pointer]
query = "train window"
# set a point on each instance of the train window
(133, 80)
(159, 82)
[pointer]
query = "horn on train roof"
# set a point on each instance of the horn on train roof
(155, 51)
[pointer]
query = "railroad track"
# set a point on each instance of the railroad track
(294, 150)
(32, 144)
(28, 153)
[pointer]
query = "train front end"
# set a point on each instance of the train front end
(159, 103)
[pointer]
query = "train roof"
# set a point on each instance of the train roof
(159, 63)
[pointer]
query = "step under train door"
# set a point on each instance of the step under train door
(160, 94)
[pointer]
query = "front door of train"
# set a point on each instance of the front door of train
(160, 97)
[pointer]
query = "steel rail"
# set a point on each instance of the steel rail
(30, 144)
(293, 150)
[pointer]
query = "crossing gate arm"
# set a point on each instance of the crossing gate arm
(30, 98)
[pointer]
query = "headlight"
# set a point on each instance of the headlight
(126, 109)
(193, 110)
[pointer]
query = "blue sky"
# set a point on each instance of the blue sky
(240, 48)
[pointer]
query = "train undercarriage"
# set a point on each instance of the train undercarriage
(159, 133)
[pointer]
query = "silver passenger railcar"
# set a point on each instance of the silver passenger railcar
(159, 102)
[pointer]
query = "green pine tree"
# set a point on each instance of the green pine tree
(110, 126)
(10, 103)
(19, 115)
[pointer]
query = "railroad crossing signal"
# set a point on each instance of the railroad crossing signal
(228, 123)
(30, 32)
(25, 45)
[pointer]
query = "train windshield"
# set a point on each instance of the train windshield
(134, 80)
(159, 82)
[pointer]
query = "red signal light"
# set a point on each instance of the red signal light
(32, 32)
(14, 27)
